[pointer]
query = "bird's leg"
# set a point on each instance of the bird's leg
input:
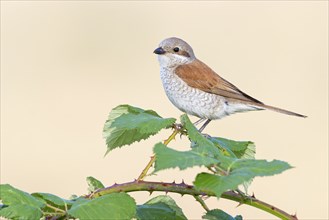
(204, 125)
(199, 121)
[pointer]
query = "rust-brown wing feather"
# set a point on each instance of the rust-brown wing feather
(199, 75)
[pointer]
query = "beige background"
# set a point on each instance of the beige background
(65, 65)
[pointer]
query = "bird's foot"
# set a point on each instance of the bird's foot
(204, 125)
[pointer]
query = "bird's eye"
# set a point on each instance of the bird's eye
(176, 49)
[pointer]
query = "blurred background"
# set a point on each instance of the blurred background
(65, 65)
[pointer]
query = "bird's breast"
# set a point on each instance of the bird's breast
(191, 100)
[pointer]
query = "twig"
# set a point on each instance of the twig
(177, 129)
(203, 204)
(56, 209)
(146, 169)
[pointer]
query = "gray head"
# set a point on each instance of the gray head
(173, 52)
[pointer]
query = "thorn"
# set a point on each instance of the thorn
(174, 182)
(205, 197)
(166, 192)
(150, 192)
(183, 183)
(239, 205)
(294, 215)
(253, 195)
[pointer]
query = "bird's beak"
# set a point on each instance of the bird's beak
(159, 51)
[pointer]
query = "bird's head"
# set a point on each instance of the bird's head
(173, 52)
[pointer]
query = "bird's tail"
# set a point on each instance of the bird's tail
(282, 110)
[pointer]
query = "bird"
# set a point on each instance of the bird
(196, 89)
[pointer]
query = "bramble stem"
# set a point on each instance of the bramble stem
(146, 169)
(56, 209)
(177, 129)
(183, 188)
(203, 204)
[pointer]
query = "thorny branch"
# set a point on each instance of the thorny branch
(182, 188)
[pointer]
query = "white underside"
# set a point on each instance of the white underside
(196, 102)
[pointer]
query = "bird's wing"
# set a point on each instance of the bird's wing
(198, 75)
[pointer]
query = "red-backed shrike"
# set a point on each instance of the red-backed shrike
(196, 89)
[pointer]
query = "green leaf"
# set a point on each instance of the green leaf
(112, 206)
(236, 149)
(201, 144)
(12, 196)
(241, 170)
(241, 149)
(21, 212)
(154, 212)
(171, 203)
(219, 147)
(78, 201)
(160, 207)
(196, 138)
(53, 200)
(127, 124)
(217, 214)
(170, 158)
(94, 184)
(203, 153)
